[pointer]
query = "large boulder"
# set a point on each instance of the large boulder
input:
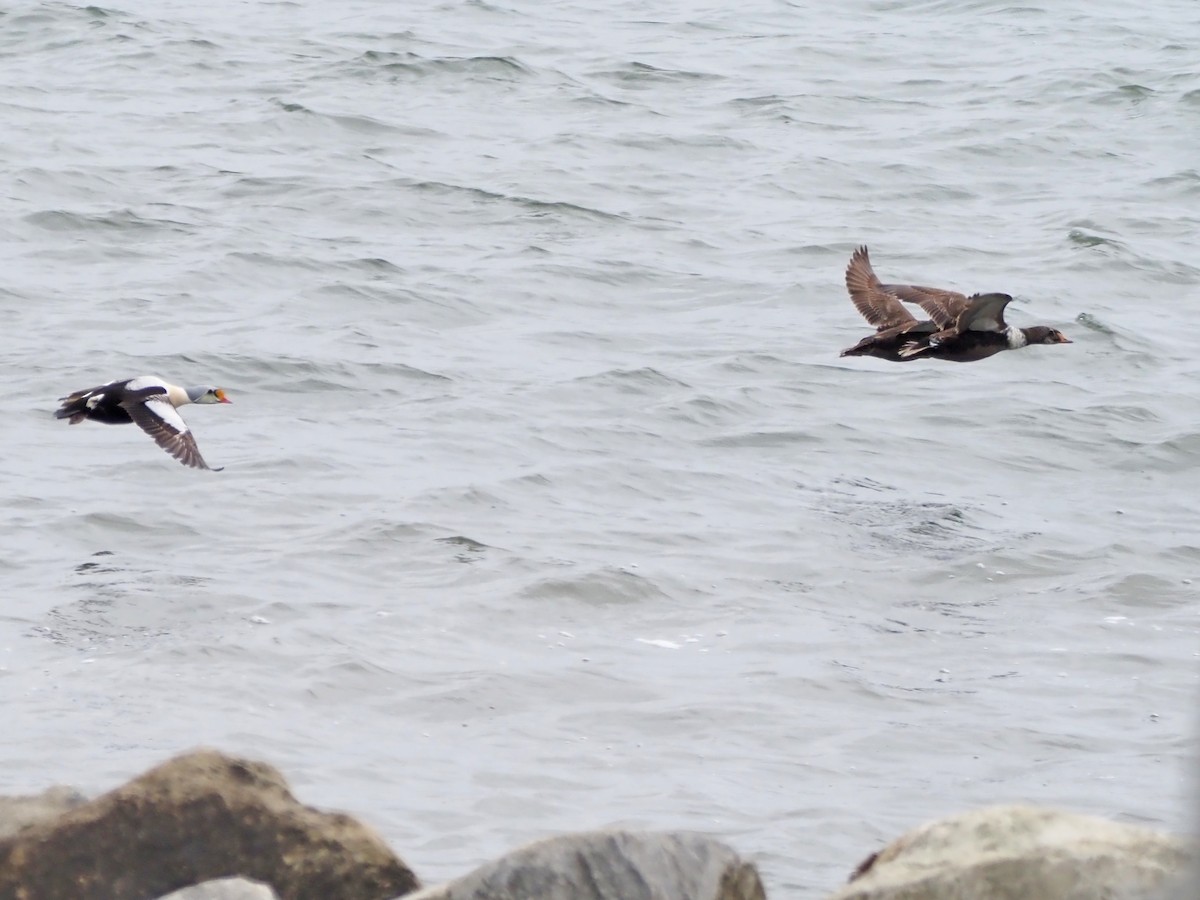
(615, 865)
(198, 817)
(1022, 853)
(17, 813)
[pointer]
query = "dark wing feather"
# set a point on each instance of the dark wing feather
(75, 405)
(880, 308)
(984, 312)
(944, 307)
(158, 418)
(100, 388)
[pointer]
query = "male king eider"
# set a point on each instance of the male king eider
(150, 402)
(959, 328)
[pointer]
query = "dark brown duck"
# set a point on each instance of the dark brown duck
(959, 328)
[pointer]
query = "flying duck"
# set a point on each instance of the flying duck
(151, 403)
(959, 328)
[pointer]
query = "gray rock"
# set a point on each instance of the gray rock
(21, 812)
(224, 889)
(616, 865)
(1022, 853)
(198, 817)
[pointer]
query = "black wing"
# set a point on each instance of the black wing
(159, 419)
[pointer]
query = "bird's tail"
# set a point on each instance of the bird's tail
(74, 407)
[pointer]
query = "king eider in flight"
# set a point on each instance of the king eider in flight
(959, 328)
(151, 403)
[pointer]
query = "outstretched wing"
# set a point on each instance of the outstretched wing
(159, 419)
(984, 312)
(879, 307)
(944, 307)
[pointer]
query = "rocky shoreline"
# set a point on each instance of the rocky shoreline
(205, 826)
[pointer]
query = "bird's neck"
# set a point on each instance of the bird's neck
(1016, 337)
(177, 395)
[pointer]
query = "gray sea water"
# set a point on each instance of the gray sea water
(548, 503)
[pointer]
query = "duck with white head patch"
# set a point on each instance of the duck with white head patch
(151, 403)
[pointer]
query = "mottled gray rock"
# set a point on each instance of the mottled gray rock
(610, 865)
(1022, 853)
(198, 817)
(224, 889)
(20, 812)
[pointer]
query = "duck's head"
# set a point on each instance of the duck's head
(1044, 334)
(205, 393)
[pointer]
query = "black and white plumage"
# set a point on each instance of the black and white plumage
(149, 402)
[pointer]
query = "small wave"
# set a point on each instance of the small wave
(592, 98)
(703, 410)
(367, 125)
(357, 123)
(632, 381)
(100, 12)
(469, 550)
(638, 73)
(372, 264)
(658, 142)
(462, 540)
(1140, 415)
(1129, 95)
(297, 375)
(275, 261)
(765, 102)
(936, 528)
(774, 438)
(1087, 238)
(607, 586)
(380, 57)
(195, 42)
(114, 603)
(493, 8)
(1180, 453)
(1187, 181)
(529, 203)
(97, 568)
(290, 107)
(263, 186)
(866, 483)
(120, 524)
(117, 220)
(1091, 322)
(504, 68)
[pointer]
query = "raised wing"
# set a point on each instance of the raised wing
(984, 312)
(879, 307)
(944, 307)
(159, 419)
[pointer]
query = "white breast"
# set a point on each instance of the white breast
(1016, 337)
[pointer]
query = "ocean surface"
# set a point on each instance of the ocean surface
(548, 503)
